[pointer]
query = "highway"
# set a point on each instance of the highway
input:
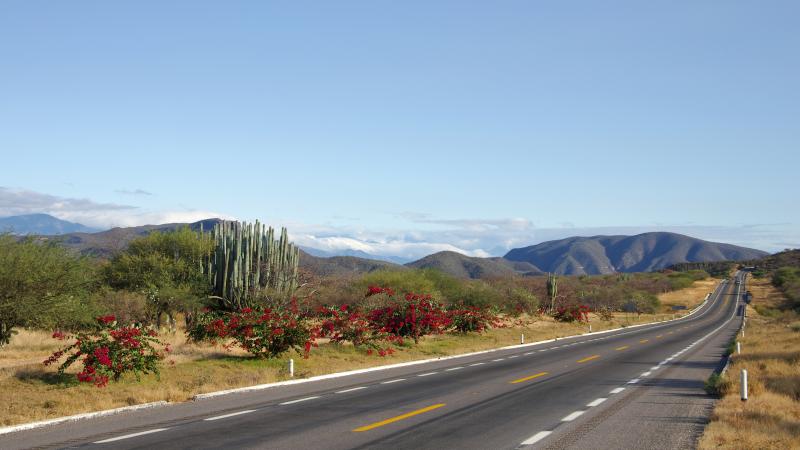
(640, 387)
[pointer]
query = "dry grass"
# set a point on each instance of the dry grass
(689, 297)
(770, 418)
(30, 391)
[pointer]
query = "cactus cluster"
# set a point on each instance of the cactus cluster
(552, 290)
(247, 262)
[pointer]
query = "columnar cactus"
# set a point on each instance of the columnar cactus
(552, 290)
(247, 261)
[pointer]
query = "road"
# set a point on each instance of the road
(633, 388)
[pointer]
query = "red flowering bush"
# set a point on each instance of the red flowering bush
(109, 352)
(573, 313)
(262, 331)
(342, 324)
(417, 316)
(466, 319)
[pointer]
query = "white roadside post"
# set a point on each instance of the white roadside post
(743, 382)
(291, 367)
(738, 348)
(522, 338)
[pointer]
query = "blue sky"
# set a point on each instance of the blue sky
(407, 127)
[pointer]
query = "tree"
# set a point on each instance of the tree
(41, 285)
(165, 267)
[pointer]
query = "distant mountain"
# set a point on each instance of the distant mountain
(105, 244)
(41, 224)
(356, 253)
(462, 266)
(641, 253)
(343, 265)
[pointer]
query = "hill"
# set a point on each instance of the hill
(640, 253)
(41, 224)
(343, 265)
(463, 266)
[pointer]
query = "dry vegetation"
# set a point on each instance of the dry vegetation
(770, 418)
(689, 297)
(30, 391)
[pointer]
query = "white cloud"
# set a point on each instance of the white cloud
(88, 212)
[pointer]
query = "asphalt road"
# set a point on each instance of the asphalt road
(633, 388)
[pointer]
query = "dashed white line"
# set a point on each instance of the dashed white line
(498, 359)
(427, 374)
(536, 437)
(126, 436)
(453, 368)
(529, 353)
(225, 416)
(397, 380)
(477, 364)
(617, 390)
(572, 416)
(299, 400)
(513, 356)
(351, 390)
(596, 402)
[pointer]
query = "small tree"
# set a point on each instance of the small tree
(41, 285)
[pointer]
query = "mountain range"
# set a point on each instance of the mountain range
(41, 224)
(571, 256)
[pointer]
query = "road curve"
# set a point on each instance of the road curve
(596, 391)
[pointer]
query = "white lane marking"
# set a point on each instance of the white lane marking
(594, 403)
(572, 416)
(427, 374)
(633, 381)
(536, 437)
(513, 356)
(498, 359)
(617, 390)
(645, 374)
(453, 368)
(477, 364)
(299, 400)
(655, 367)
(393, 381)
(351, 390)
(126, 436)
(543, 350)
(529, 353)
(225, 416)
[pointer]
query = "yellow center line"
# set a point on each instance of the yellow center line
(588, 358)
(540, 374)
(644, 340)
(621, 348)
(398, 418)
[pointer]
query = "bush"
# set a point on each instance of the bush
(472, 319)
(416, 316)
(264, 332)
(340, 325)
(110, 352)
(573, 313)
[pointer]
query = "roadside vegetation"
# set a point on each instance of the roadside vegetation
(183, 313)
(770, 418)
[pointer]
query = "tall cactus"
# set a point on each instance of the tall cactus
(248, 262)
(552, 290)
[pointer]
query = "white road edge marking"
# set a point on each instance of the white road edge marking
(397, 380)
(351, 390)
(225, 416)
(536, 437)
(633, 381)
(572, 416)
(299, 400)
(594, 403)
(645, 374)
(126, 436)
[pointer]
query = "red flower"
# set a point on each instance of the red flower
(106, 319)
